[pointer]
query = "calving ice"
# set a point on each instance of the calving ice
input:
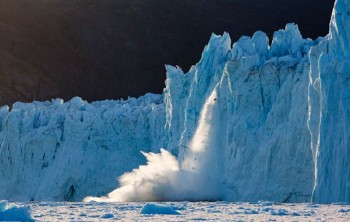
(250, 121)
(164, 178)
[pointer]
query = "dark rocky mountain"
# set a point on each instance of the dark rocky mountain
(109, 49)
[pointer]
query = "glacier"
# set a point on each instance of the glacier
(261, 132)
(329, 94)
(250, 121)
(65, 151)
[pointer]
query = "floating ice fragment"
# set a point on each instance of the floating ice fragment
(149, 208)
(12, 212)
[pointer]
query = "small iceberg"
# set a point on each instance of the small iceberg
(12, 212)
(149, 208)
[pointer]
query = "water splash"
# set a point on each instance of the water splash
(163, 179)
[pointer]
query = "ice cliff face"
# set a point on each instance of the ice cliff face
(262, 134)
(284, 119)
(329, 119)
(64, 151)
(270, 122)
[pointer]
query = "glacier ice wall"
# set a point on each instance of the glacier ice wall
(329, 102)
(284, 119)
(262, 136)
(266, 122)
(65, 151)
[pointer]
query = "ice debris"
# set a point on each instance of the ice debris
(151, 208)
(13, 212)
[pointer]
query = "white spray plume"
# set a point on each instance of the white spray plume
(163, 179)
